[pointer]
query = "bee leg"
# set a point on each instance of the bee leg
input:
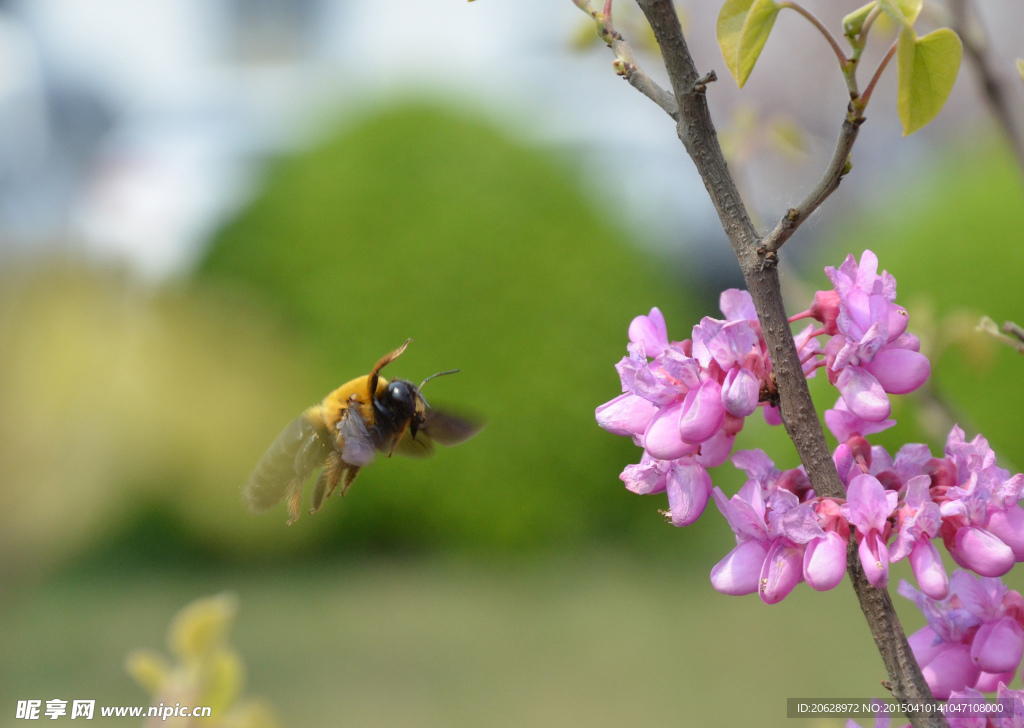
(348, 476)
(326, 481)
(294, 498)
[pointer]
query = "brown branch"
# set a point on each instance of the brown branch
(992, 84)
(627, 67)
(834, 173)
(697, 132)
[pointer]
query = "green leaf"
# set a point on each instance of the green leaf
(729, 29)
(853, 22)
(1020, 67)
(756, 29)
(743, 28)
(904, 12)
(927, 69)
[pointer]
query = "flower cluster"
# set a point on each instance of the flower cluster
(870, 354)
(684, 402)
(974, 638)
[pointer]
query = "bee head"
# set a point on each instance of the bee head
(403, 397)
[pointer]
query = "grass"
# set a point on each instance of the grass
(605, 642)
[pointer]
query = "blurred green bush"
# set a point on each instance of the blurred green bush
(130, 417)
(420, 223)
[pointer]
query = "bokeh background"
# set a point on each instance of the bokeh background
(213, 212)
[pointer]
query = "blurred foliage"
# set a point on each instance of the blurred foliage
(424, 224)
(117, 401)
(954, 243)
(130, 417)
(208, 672)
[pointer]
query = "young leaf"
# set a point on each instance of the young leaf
(730, 26)
(904, 12)
(853, 22)
(926, 70)
(756, 29)
(1020, 67)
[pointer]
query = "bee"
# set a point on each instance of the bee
(344, 433)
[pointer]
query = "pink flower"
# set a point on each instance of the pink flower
(919, 522)
(973, 637)
(651, 330)
(867, 507)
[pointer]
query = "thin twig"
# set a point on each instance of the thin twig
(1016, 333)
(992, 84)
(625, 64)
(1014, 330)
(627, 67)
(843, 60)
(834, 173)
(862, 102)
(698, 135)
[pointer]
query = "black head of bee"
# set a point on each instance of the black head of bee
(401, 398)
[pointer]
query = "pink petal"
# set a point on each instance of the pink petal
(868, 504)
(926, 563)
(627, 414)
(898, 320)
(689, 487)
(825, 561)
(644, 478)
(998, 646)
(703, 412)
(989, 683)
(925, 644)
(772, 415)
(983, 553)
(782, 570)
(950, 669)
(651, 330)
(661, 439)
(740, 571)
(863, 394)
(737, 305)
(716, 450)
(740, 392)
(1008, 526)
(875, 559)
(899, 371)
(844, 424)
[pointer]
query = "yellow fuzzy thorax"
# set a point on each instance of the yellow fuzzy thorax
(329, 411)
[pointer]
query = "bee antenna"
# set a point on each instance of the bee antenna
(439, 374)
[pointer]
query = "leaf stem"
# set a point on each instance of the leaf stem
(862, 37)
(843, 60)
(862, 102)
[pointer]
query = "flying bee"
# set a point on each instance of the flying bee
(345, 432)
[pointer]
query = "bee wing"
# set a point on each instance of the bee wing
(449, 429)
(441, 427)
(357, 448)
(420, 446)
(300, 448)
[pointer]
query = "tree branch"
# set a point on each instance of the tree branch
(697, 132)
(834, 173)
(992, 84)
(627, 67)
